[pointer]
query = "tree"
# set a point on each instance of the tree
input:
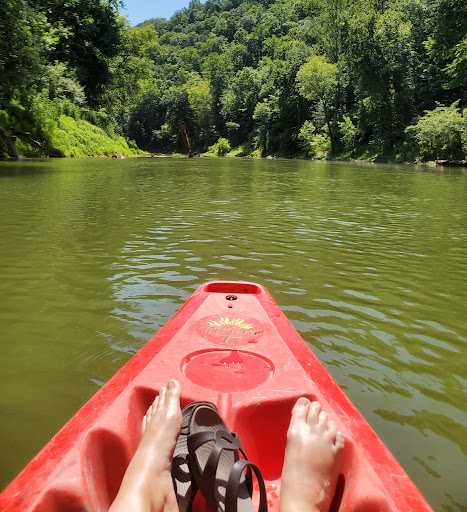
(317, 79)
(314, 144)
(131, 71)
(89, 34)
(200, 100)
(457, 69)
(217, 68)
(240, 99)
(22, 31)
(263, 116)
(146, 117)
(442, 133)
(379, 54)
(348, 131)
(449, 30)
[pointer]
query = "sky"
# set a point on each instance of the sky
(142, 10)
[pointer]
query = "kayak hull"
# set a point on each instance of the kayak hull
(229, 344)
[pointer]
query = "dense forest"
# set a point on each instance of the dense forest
(368, 79)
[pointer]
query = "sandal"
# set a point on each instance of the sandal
(218, 470)
(184, 485)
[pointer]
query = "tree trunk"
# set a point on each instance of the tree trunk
(28, 135)
(10, 142)
(328, 122)
(185, 138)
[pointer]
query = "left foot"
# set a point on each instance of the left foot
(147, 484)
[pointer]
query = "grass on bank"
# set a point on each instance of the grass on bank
(43, 130)
(78, 137)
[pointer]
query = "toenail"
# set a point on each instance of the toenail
(302, 401)
(171, 384)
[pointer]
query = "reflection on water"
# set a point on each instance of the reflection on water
(368, 262)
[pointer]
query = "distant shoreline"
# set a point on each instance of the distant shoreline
(460, 164)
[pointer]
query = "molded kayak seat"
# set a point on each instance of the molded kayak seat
(230, 345)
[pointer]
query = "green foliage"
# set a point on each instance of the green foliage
(348, 131)
(164, 139)
(378, 46)
(76, 137)
(131, 71)
(3, 118)
(61, 83)
(313, 144)
(88, 34)
(253, 71)
(441, 133)
(457, 69)
(221, 147)
(21, 49)
(200, 100)
(262, 115)
(449, 29)
(239, 100)
(317, 78)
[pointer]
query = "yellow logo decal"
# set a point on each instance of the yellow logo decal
(237, 322)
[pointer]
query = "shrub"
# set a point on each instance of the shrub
(314, 144)
(348, 131)
(221, 147)
(441, 133)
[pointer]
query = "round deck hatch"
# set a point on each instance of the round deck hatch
(227, 370)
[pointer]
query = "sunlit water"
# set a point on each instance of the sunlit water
(368, 262)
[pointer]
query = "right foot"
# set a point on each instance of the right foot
(312, 459)
(147, 485)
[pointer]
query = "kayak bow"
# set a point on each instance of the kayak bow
(229, 344)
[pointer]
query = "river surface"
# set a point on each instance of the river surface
(368, 262)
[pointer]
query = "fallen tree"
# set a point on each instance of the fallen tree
(10, 143)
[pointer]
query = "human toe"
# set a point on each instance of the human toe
(173, 388)
(323, 421)
(313, 413)
(300, 409)
(340, 440)
(331, 431)
(161, 401)
(172, 396)
(149, 414)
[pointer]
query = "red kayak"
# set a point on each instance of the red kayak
(229, 344)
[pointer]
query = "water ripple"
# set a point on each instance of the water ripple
(367, 262)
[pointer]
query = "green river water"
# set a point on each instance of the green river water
(368, 262)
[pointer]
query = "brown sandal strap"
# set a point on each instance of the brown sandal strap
(231, 492)
(224, 440)
(184, 484)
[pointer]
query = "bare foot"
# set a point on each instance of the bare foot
(312, 458)
(147, 484)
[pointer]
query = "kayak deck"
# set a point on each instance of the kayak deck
(229, 344)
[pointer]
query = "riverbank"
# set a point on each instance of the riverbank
(376, 159)
(440, 164)
(66, 137)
